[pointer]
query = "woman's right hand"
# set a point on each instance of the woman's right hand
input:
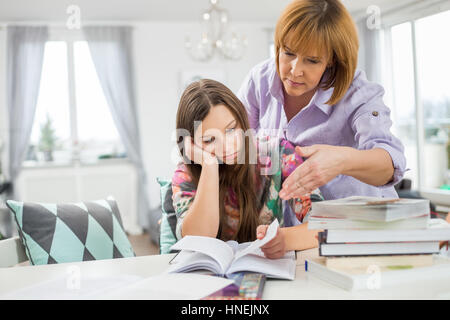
(197, 154)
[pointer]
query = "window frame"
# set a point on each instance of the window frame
(436, 195)
(69, 37)
(61, 33)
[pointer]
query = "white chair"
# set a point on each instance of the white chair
(12, 252)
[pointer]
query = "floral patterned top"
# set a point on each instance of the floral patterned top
(269, 185)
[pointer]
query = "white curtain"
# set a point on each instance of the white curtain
(25, 55)
(370, 54)
(111, 51)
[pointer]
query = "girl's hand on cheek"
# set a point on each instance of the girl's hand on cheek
(275, 248)
(197, 155)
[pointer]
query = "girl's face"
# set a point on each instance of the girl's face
(220, 134)
(300, 74)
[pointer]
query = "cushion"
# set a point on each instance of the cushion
(167, 236)
(71, 232)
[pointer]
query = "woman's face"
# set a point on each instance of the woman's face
(220, 134)
(300, 74)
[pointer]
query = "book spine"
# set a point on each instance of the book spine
(322, 236)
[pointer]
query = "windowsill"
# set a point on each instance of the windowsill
(72, 164)
(437, 196)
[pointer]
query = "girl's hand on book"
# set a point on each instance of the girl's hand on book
(197, 154)
(275, 248)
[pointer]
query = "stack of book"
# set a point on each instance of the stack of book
(365, 233)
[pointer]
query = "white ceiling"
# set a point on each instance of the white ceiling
(143, 10)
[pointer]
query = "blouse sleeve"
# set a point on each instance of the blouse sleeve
(371, 124)
(183, 193)
(247, 95)
(290, 160)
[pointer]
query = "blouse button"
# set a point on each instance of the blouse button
(375, 113)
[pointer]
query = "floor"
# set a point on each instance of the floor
(142, 245)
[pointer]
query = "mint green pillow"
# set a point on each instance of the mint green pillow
(71, 232)
(168, 224)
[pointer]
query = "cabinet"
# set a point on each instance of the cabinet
(7, 226)
(84, 182)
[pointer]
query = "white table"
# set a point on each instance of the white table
(305, 286)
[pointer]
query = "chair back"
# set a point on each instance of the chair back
(12, 252)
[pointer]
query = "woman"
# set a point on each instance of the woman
(311, 94)
(220, 190)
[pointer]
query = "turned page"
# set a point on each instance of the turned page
(249, 257)
(282, 268)
(212, 247)
(258, 243)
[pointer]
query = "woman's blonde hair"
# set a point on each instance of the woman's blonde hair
(321, 26)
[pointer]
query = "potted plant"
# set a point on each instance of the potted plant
(48, 139)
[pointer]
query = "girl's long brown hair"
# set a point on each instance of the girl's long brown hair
(195, 103)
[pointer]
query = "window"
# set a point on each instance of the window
(433, 68)
(421, 94)
(271, 43)
(403, 88)
(97, 133)
(53, 105)
(72, 116)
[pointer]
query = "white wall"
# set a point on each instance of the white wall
(3, 113)
(160, 56)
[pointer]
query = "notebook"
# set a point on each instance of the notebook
(371, 208)
(225, 258)
(333, 223)
(246, 286)
(380, 248)
(376, 277)
(438, 230)
(398, 261)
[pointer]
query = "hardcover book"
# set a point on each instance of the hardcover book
(225, 258)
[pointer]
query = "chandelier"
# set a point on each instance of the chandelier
(215, 37)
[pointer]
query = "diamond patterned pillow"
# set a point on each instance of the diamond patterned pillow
(57, 233)
(167, 236)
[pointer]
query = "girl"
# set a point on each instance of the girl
(221, 190)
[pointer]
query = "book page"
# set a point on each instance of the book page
(215, 248)
(187, 261)
(356, 201)
(371, 208)
(258, 243)
(257, 252)
(366, 200)
(272, 268)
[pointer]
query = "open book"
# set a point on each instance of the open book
(225, 258)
